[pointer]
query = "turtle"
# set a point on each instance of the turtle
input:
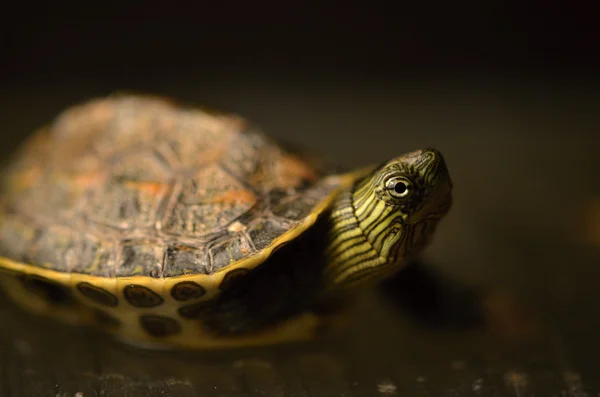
(168, 225)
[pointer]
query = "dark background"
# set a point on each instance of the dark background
(136, 40)
(509, 92)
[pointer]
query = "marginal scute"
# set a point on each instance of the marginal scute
(94, 257)
(295, 209)
(159, 326)
(16, 237)
(187, 290)
(232, 250)
(140, 296)
(47, 289)
(140, 258)
(55, 248)
(97, 294)
(183, 259)
(264, 231)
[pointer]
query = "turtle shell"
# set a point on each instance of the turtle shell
(137, 186)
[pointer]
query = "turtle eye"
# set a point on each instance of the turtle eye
(398, 187)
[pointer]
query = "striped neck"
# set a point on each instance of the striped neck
(367, 238)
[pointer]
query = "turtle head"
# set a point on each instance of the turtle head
(416, 186)
(393, 210)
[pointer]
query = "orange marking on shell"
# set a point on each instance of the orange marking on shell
(292, 171)
(234, 197)
(88, 179)
(150, 188)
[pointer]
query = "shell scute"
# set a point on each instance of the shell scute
(96, 256)
(295, 208)
(55, 248)
(17, 236)
(142, 165)
(265, 230)
(207, 202)
(192, 139)
(131, 196)
(249, 158)
(181, 259)
(140, 258)
(233, 249)
(98, 126)
(52, 193)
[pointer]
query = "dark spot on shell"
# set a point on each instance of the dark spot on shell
(233, 278)
(187, 290)
(48, 290)
(106, 320)
(97, 294)
(196, 310)
(140, 296)
(159, 326)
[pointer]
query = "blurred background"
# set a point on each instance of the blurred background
(508, 92)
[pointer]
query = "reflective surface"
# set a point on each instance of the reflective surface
(504, 303)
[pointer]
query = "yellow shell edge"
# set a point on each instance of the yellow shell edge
(303, 327)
